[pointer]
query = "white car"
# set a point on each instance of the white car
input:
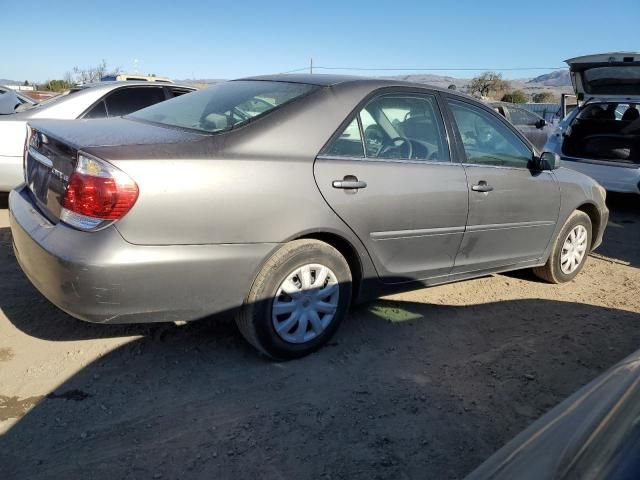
(99, 100)
(22, 99)
(601, 138)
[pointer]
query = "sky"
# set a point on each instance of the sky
(229, 39)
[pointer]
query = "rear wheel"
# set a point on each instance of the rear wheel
(297, 301)
(570, 250)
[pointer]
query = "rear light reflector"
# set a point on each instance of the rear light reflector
(97, 194)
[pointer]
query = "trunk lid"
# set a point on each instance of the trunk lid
(613, 75)
(53, 148)
(48, 165)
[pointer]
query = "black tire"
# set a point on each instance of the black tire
(552, 271)
(255, 318)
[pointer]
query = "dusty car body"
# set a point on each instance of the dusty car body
(284, 198)
(532, 126)
(91, 101)
(594, 433)
(601, 138)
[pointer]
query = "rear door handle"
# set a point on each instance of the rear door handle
(482, 186)
(349, 182)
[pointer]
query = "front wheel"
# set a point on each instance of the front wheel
(570, 250)
(297, 301)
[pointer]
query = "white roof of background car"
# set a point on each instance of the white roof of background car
(71, 105)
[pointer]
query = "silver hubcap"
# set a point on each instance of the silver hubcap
(574, 249)
(305, 303)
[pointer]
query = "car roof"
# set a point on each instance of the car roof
(329, 80)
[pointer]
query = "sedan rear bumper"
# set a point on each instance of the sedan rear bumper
(99, 277)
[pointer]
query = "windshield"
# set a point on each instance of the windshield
(223, 106)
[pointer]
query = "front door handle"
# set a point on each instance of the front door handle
(349, 182)
(482, 186)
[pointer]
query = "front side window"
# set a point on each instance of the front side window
(128, 100)
(400, 126)
(486, 140)
(224, 106)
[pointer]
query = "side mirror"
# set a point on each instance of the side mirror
(541, 123)
(548, 161)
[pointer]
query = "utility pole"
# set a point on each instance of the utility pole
(311, 65)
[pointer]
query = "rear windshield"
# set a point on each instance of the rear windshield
(612, 80)
(224, 106)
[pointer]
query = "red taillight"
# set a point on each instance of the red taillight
(97, 194)
(99, 197)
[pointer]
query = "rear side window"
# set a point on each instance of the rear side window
(128, 100)
(349, 143)
(224, 106)
(98, 111)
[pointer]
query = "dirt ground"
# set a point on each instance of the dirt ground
(420, 385)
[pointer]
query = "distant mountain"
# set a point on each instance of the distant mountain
(557, 78)
(4, 81)
(436, 80)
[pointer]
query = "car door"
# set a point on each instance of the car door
(513, 209)
(388, 174)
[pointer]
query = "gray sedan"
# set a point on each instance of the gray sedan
(532, 126)
(283, 199)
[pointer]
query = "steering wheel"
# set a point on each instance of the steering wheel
(396, 143)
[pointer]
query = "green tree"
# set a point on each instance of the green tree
(517, 96)
(545, 97)
(452, 87)
(487, 84)
(26, 83)
(57, 85)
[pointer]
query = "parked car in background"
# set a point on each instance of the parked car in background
(534, 127)
(594, 434)
(100, 100)
(19, 99)
(284, 198)
(120, 77)
(601, 137)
